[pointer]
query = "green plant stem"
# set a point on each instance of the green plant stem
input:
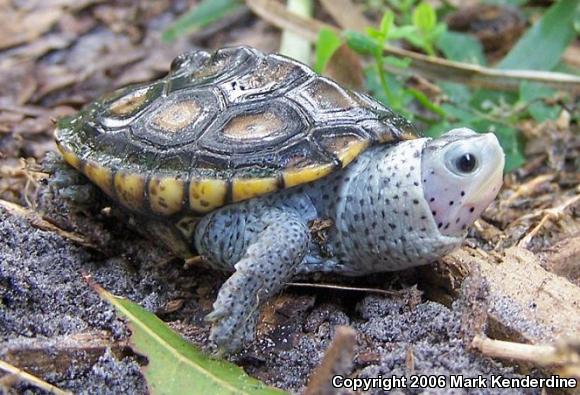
(295, 45)
(393, 102)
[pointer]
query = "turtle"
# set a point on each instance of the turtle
(235, 156)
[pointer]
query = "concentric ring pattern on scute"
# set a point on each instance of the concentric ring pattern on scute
(242, 122)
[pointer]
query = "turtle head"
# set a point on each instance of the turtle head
(462, 173)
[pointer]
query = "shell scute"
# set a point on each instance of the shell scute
(219, 128)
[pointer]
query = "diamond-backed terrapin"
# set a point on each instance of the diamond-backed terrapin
(234, 155)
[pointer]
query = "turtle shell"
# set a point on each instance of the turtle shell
(222, 128)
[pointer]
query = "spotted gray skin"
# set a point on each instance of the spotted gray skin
(390, 210)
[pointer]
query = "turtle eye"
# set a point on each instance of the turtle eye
(466, 163)
(460, 159)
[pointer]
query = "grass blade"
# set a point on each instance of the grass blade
(548, 39)
(205, 13)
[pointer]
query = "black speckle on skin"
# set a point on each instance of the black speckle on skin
(406, 213)
(472, 209)
(393, 226)
(405, 193)
(408, 175)
(446, 226)
(396, 197)
(463, 227)
(423, 230)
(432, 171)
(451, 203)
(462, 193)
(434, 212)
(440, 224)
(349, 198)
(415, 201)
(417, 154)
(423, 217)
(432, 199)
(416, 183)
(457, 220)
(410, 229)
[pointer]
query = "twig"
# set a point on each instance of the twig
(554, 213)
(37, 221)
(566, 354)
(528, 188)
(292, 44)
(337, 360)
(22, 375)
(430, 66)
(346, 288)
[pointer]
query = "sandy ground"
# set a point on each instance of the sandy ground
(45, 299)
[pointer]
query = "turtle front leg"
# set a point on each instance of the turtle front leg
(67, 182)
(276, 242)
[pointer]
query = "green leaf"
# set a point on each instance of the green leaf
(397, 62)
(458, 93)
(376, 34)
(361, 43)
(401, 32)
(326, 45)
(534, 94)
(459, 114)
(424, 17)
(425, 102)
(512, 3)
(461, 47)
(542, 45)
(203, 14)
(387, 22)
(577, 20)
(176, 366)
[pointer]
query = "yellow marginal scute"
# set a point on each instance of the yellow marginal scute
(243, 189)
(130, 189)
(351, 151)
(100, 175)
(69, 157)
(166, 195)
(305, 174)
(207, 195)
